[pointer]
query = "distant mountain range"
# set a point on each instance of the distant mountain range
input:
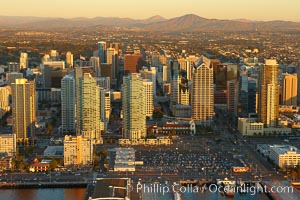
(188, 22)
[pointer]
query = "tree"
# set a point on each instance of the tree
(53, 164)
(49, 129)
(157, 114)
(293, 174)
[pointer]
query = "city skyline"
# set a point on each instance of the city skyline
(230, 9)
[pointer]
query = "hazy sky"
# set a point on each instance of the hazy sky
(220, 9)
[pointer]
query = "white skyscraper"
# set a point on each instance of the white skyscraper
(166, 73)
(111, 56)
(88, 107)
(105, 104)
(23, 60)
(4, 101)
(68, 103)
(151, 75)
(202, 93)
(268, 91)
(148, 97)
(134, 107)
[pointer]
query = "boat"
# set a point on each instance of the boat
(229, 191)
(176, 192)
(177, 195)
(225, 182)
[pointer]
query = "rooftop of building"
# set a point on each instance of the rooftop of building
(283, 149)
(110, 187)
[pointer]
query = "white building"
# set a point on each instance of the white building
(285, 155)
(124, 159)
(151, 75)
(148, 97)
(23, 60)
(134, 107)
(4, 101)
(77, 151)
(202, 93)
(69, 59)
(250, 127)
(88, 116)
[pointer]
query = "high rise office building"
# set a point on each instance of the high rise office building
(102, 51)
(4, 100)
(231, 96)
(54, 55)
(132, 63)
(246, 96)
(69, 60)
(289, 89)
(11, 77)
(148, 88)
(202, 93)
(268, 94)
(166, 74)
(89, 123)
(176, 79)
(134, 107)
(112, 58)
(95, 63)
(184, 97)
(105, 109)
(23, 109)
(190, 60)
(23, 60)
(13, 67)
(68, 103)
(150, 75)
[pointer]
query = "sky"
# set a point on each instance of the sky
(141, 9)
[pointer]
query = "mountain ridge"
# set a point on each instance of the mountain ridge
(188, 22)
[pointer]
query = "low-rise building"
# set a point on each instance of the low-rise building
(122, 159)
(39, 167)
(5, 162)
(249, 127)
(8, 144)
(77, 151)
(285, 155)
(54, 151)
(178, 127)
(184, 111)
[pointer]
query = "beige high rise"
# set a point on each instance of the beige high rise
(202, 93)
(4, 100)
(23, 109)
(148, 88)
(69, 59)
(134, 107)
(289, 89)
(88, 108)
(23, 61)
(268, 90)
